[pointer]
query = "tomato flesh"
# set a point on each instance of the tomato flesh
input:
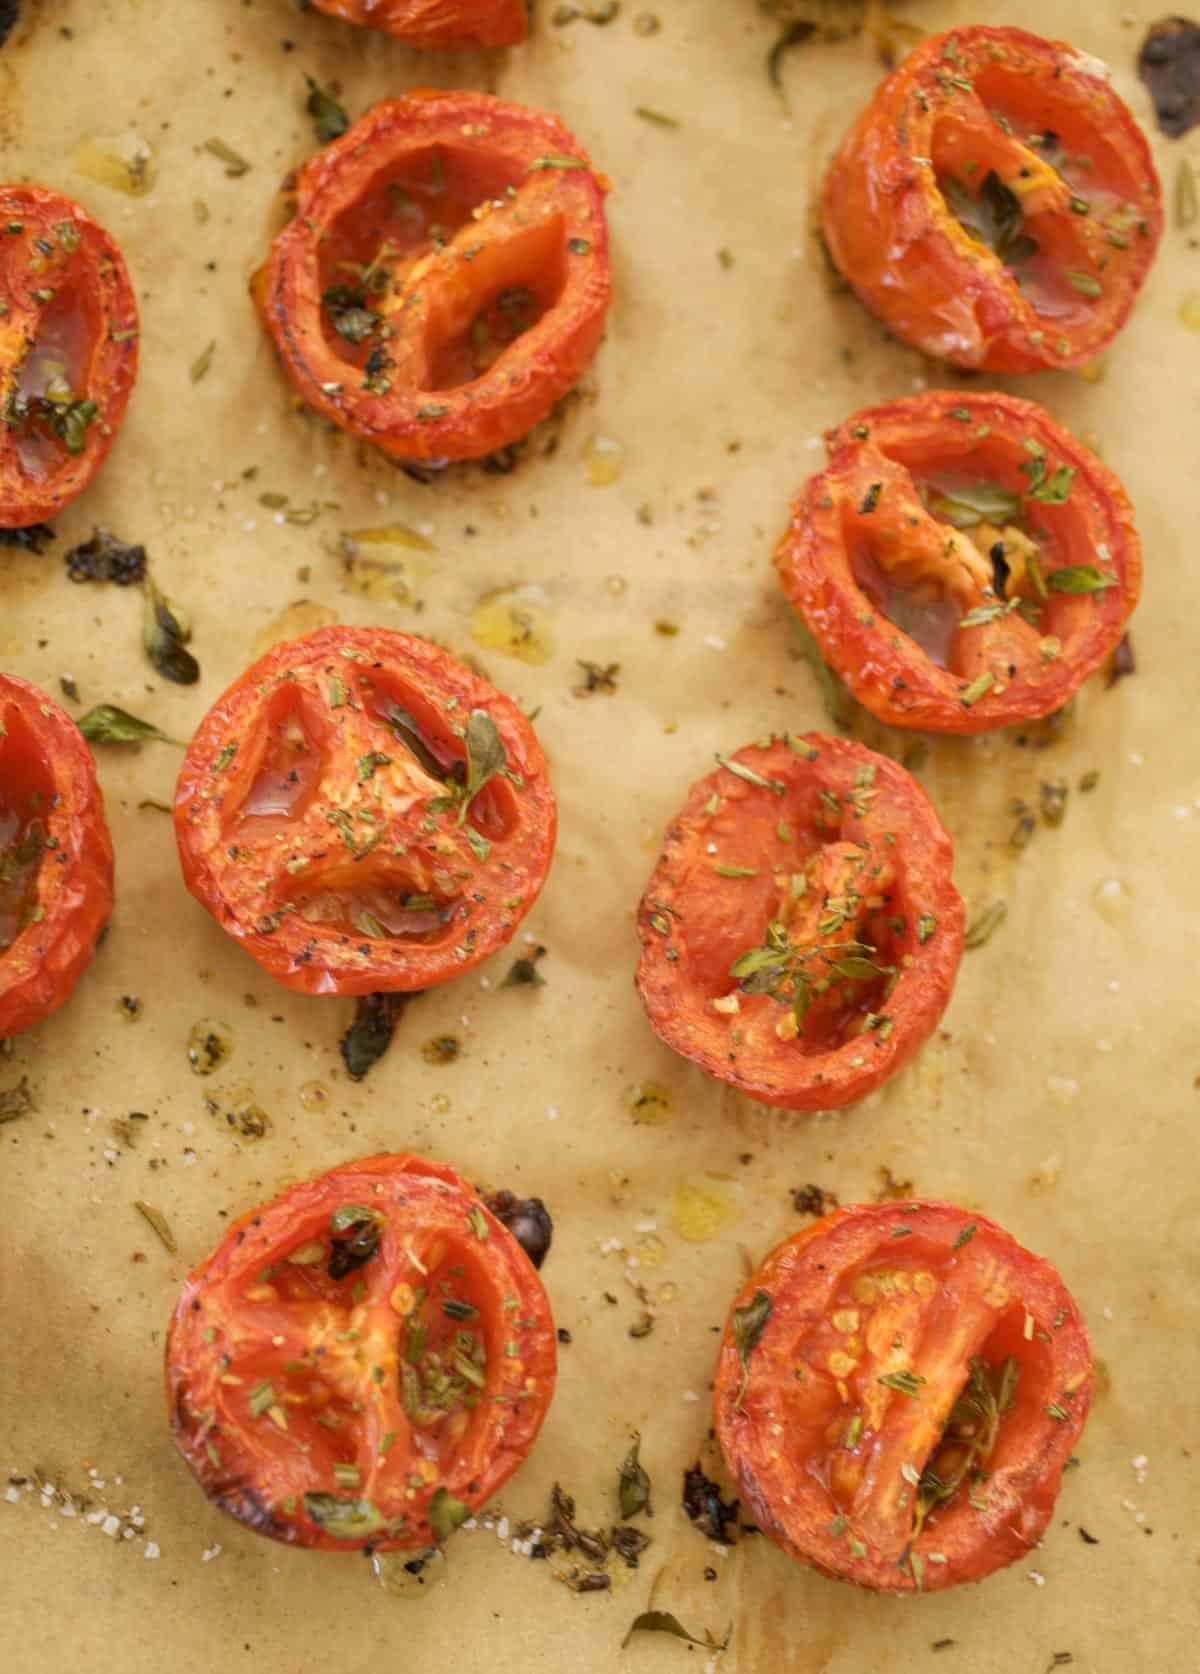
(438, 23)
(367, 1343)
(962, 561)
(445, 278)
(996, 204)
(801, 932)
(902, 1417)
(324, 816)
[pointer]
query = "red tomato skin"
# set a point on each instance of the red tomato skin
(891, 235)
(883, 667)
(437, 23)
(673, 989)
(248, 1479)
(314, 957)
(411, 420)
(96, 268)
(785, 1498)
(40, 968)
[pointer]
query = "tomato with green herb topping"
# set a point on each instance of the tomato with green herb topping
(364, 814)
(437, 23)
(56, 858)
(445, 278)
(362, 1362)
(996, 204)
(801, 931)
(897, 1392)
(68, 351)
(962, 561)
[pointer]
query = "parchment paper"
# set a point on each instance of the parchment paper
(1058, 1097)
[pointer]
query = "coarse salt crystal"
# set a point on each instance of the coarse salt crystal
(1140, 1463)
(714, 642)
(690, 1395)
(11, 1495)
(1036, 1576)
(1107, 1311)
(111, 1524)
(646, 1226)
(1136, 758)
(152, 1550)
(502, 1529)
(485, 982)
(552, 1113)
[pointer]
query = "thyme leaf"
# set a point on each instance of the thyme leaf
(633, 1484)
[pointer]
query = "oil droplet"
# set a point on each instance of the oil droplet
(300, 617)
(668, 1292)
(1111, 900)
(605, 460)
(209, 1045)
(410, 1574)
(1093, 371)
(515, 622)
(650, 1250)
(702, 1209)
(387, 564)
(649, 1103)
(314, 1095)
(1189, 311)
(442, 1049)
(123, 161)
(440, 1104)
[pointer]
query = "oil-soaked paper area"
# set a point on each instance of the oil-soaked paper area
(1059, 1095)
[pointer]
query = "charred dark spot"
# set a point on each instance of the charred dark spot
(36, 535)
(356, 1248)
(703, 1503)
(1169, 64)
(370, 1034)
(10, 11)
(528, 1219)
(105, 557)
(1123, 663)
(813, 1200)
(241, 1501)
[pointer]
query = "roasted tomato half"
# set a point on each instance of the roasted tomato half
(801, 932)
(362, 1362)
(437, 23)
(445, 278)
(962, 561)
(898, 1389)
(364, 814)
(56, 858)
(996, 203)
(68, 351)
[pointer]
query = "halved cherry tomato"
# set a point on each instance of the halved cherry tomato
(445, 279)
(437, 23)
(56, 858)
(996, 204)
(364, 814)
(962, 560)
(68, 351)
(801, 932)
(363, 1361)
(898, 1389)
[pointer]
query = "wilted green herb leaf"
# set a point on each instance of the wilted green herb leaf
(106, 724)
(235, 164)
(974, 503)
(794, 35)
(485, 755)
(662, 1621)
(556, 163)
(523, 973)
(839, 705)
(633, 1485)
(329, 117)
(370, 1034)
(749, 1322)
(164, 636)
(905, 1383)
(15, 1102)
(985, 926)
(1079, 578)
(344, 1519)
(1055, 489)
(159, 1224)
(1086, 284)
(926, 925)
(965, 1236)
(446, 1514)
(994, 218)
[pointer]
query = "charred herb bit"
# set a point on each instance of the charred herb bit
(1085, 283)
(32, 538)
(106, 724)
(659, 118)
(597, 677)
(703, 1504)
(628, 1543)
(446, 1514)
(813, 1200)
(202, 362)
(965, 1236)
(662, 1621)
(105, 558)
(633, 1484)
(365, 1229)
(523, 973)
(995, 218)
(235, 164)
(749, 1322)
(370, 1034)
(165, 632)
(351, 321)
(528, 1219)
(1053, 799)
(983, 928)
(441, 1049)
(15, 1102)
(158, 1223)
(344, 1519)
(330, 120)
(1123, 663)
(904, 1383)
(556, 163)
(741, 771)
(926, 925)
(1169, 65)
